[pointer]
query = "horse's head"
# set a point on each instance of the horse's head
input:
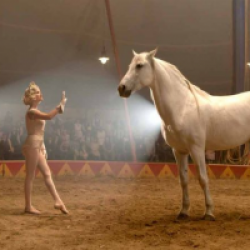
(140, 73)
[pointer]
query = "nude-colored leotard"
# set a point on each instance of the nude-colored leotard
(35, 137)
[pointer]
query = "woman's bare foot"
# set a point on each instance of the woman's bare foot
(32, 210)
(62, 208)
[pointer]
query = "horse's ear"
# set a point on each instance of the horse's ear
(134, 53)
(152, 53)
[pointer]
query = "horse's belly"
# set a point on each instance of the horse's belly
(227, 124)
(226, 140)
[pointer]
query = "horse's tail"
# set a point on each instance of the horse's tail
(234, 156)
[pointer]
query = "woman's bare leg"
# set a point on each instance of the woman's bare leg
(45, 170)
(31, 161)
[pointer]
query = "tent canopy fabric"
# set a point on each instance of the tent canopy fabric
(57, 44)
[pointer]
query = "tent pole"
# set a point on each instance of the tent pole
(118, 67)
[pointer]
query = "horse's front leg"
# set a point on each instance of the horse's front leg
(182, 162)
(198, 156)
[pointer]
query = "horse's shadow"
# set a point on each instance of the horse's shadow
(172, 219)
(232, 216)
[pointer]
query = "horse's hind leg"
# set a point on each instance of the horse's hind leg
(198, 156)
(182, 162)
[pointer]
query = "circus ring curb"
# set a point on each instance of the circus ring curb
(124, 169)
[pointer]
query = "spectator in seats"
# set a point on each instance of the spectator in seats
(81, 153)
(57, 142)
(109, 128)
(96, 121)
(74, 146)
(150, 147)
(20, 129)
(140, 149)
(127, 156)
(64, 145)
(88, 132)
(64, 135)
(69, 126)
(1, 148)
(118, 148)
(157, 151)
(94, 153)
(22, 136)
(83, 123)
(8, 121)
(16, 144)
(64, 150)
(50, 148)
(210, 156)
(6, 146)
(118, 137)
(109, 149)
(58, 123)
(78, 129)
(100, 136)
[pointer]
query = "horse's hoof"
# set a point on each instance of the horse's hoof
(182, 216)
(208, 217)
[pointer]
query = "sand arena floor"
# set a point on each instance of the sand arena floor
(116, 214)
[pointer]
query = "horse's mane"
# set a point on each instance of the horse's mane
(184, 81)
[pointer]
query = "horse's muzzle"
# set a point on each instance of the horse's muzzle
(123, 91)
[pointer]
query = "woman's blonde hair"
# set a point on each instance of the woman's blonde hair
(30, 93)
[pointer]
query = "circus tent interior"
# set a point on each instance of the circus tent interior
(128, 194)
(58, 44)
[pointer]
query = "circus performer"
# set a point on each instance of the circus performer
(34, 149)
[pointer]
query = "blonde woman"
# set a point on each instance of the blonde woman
(33, 148)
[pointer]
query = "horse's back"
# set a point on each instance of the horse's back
(230, 99)
(228, 120)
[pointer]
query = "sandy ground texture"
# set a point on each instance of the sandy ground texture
(117, 214)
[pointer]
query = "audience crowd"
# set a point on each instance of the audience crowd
(86, 139)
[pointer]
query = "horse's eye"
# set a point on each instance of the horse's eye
(139, 66)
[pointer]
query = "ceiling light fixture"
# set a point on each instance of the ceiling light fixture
(104, 58)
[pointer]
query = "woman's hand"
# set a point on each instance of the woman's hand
(62, 103)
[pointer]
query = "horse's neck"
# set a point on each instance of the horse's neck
(170, 95)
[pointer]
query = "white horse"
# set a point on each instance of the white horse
(192, 120)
